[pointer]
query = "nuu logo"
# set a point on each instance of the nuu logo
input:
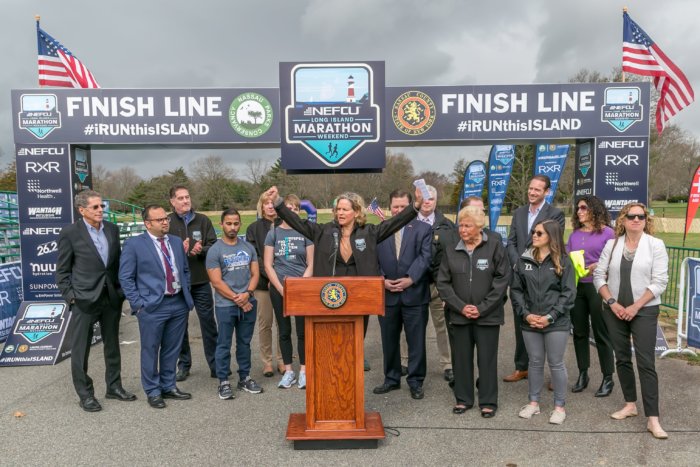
(528, 267)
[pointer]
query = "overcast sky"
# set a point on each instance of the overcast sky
(228, 43)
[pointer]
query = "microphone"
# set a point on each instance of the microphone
(334, 256)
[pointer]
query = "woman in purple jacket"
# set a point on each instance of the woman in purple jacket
(591, 231)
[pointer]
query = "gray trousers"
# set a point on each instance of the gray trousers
(553, 345)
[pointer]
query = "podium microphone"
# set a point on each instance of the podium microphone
(335, 249)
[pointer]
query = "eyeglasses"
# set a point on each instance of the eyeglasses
(95, 207)
(583, 207)
(161, 220)
(538, 233)
(632, 217)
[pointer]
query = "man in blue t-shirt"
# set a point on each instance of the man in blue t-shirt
(232, 266)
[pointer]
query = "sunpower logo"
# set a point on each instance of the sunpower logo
(37, 151)
(621, 144)
(41, 231)
(627, 159)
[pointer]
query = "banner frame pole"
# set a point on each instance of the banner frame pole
(679, 328)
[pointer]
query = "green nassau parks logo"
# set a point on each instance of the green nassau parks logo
(250, 115)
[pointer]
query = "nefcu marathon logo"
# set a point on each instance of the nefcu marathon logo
(622, 108)
(40, 320)
(39, 114)
(332, 110)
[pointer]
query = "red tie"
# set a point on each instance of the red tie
(169, 276)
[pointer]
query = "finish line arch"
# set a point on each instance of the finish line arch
(55, 129)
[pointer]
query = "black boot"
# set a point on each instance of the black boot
(582, 382)
(606, 387)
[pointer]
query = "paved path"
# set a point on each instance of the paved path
(250, 429)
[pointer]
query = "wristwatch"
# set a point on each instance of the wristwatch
(610, 301)
(550, 320)
(250, 292)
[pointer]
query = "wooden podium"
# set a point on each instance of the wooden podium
(334, 310)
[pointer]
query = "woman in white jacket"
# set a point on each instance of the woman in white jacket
(631, 276)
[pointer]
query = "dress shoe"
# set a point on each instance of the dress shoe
(517, 375)
(182, 374)
(156, 402)
(624, 413)
(606, 387)
(581, 382)
(404, 370)
(386, 387)
(176, 394)
(550, 386)
(657, 432)
(459, 409)
(90, 404)
(120, 394)
(417, 392)
(448, 375)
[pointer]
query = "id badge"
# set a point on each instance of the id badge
(176, 285)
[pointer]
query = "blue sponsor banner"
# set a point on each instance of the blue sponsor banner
(550, 160)
(10, 296)
(474, 177)
(332, 116)
(621, 172)
(693, 303)
(500, 167)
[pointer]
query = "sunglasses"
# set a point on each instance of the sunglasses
(583, 207)
(538, 233)
(632, 217)
(95, 207)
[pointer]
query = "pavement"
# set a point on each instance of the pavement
(43, 425)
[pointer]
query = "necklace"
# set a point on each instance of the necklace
(628, 253)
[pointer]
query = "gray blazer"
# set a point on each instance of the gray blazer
(649, 268)
(519, 237)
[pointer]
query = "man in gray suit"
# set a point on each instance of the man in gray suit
(520, 239)
(86, 275)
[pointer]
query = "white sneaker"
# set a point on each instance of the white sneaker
(287, 380)
(528, 411)
(302, 380)
(557, 417)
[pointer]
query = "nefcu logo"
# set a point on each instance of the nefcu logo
(332, 111)
(635, 144)
(41, 231)
(36, 151)
(39, 167)
(39, 114)
(627, 159)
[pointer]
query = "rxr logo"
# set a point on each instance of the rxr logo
(545, 169)
(37, 167)
(498, 182)
(615, 160)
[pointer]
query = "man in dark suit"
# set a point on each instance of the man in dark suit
(404, 261)
(155, 277)
(520, 239)
(86, 275)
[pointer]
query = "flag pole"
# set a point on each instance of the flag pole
(38, 18)
(624, 10)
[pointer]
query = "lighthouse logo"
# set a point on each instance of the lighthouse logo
(39, 114)
(332, 111)
(622, 108)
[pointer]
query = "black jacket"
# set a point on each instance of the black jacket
(255, 234)
(481, 280)
(447, 238)
(443, 232)
(537, 289)
(363, 240)
(197, 263)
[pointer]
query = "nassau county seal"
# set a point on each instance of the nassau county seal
(333, 295)
(250, 115)
(413, 113)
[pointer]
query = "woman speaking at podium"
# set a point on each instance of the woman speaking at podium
(346, 246)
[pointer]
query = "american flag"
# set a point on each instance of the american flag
(375, 209)
(641, 56)
(59, 67)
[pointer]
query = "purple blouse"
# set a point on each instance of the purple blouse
(591, 243)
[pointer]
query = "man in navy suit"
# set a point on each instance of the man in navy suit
(404, 260)
(520, 239)
(155, 277)
(86, 275)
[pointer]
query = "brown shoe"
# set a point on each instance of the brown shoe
(516, 376)
(550, 387)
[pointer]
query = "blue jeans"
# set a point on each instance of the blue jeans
(230, 319)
